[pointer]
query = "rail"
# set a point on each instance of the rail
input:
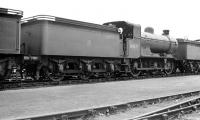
(171, 111)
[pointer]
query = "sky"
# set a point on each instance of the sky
(181, 17)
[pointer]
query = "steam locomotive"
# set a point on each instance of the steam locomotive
(55, 48)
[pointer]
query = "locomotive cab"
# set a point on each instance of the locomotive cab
(129, 30)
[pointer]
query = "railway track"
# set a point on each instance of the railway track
(172, 112)
(22, 84)
(108, 110)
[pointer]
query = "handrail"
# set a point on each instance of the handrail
(39, 17)
(68, 21)
(11, 11)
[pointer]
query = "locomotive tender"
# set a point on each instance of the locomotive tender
(10, 57)
(55, 47)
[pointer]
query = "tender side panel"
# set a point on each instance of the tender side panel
(181, 51)
(31, 38)
(9, 35)
(74, 40)
(188, 50)
(192, 51)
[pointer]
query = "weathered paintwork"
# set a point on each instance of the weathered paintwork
(10, 31)
(153, 45)
(160, 43)
(143, 44)
(65, 37)
(188, 50)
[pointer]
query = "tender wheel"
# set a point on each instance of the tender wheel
(53, 72)
(2, 71)
(196, 67)
(56, 76)
(42, 73)
(84, 77)
(135, 72)
(169, 67)
(107, 75)
(28, 72)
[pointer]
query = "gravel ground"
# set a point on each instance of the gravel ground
(193, 116)
(39, 101)
(132, 113)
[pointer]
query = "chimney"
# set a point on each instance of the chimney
(165, 32)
